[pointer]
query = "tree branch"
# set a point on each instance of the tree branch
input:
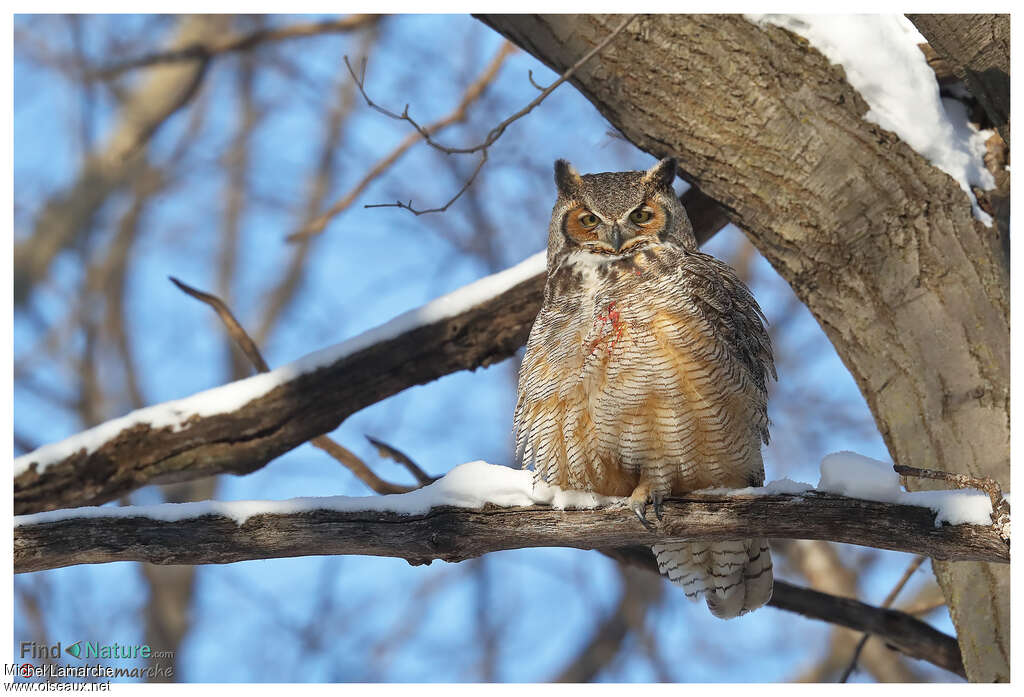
(911, 568)
(455, 534)
(308, 405)
(426, 133)
(846, 213)
(66, 216)
(977, 48)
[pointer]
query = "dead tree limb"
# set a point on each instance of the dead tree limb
(343, 455)
(311, 404)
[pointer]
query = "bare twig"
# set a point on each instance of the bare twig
(204, 50)
(426, 133)
(498, 130)
(439, 209)
(1000, 506)
(359, 468)
(401, 458)
(340, 453)
(472, 93)
(914, 565)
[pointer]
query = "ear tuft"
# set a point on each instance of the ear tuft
(567, 178)
(662, 174)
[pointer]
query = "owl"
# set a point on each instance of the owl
(645, 372)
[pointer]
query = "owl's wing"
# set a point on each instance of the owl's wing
(722, 300)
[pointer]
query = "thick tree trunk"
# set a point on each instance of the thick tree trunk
(879, 244)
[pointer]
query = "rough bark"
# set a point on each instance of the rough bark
(977, 48)
(879, 244)
(455, 534)
(310, 405)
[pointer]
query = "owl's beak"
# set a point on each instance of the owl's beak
(616, 239)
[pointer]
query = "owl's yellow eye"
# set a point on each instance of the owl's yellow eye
(588, 220)
(641, 216)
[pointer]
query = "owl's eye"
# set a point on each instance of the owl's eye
(641, 216)
(588, 220)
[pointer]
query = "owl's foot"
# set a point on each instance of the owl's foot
(639, 499)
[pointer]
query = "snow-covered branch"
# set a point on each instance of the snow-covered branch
(479, 508)
(239, 427)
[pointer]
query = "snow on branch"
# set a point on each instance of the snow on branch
(882, 60)
(239, 427)
(477, 508)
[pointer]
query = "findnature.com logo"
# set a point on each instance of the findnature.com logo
(84, 650)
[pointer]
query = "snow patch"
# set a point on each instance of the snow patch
(471, 485)
(857, 476)
(230, 397)
(884, 64)
(779, 486)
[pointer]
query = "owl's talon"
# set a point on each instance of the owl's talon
(658, 500)
(640, 509)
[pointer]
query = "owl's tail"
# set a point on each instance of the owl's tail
(734, 576)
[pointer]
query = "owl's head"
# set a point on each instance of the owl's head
(616, 213)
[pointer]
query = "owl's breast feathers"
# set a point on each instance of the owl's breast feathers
(657, 360)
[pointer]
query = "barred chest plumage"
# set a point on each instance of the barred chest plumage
(624, 377)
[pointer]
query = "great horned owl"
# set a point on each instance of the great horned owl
(645, 371)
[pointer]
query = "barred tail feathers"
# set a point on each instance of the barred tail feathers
(734, 576)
